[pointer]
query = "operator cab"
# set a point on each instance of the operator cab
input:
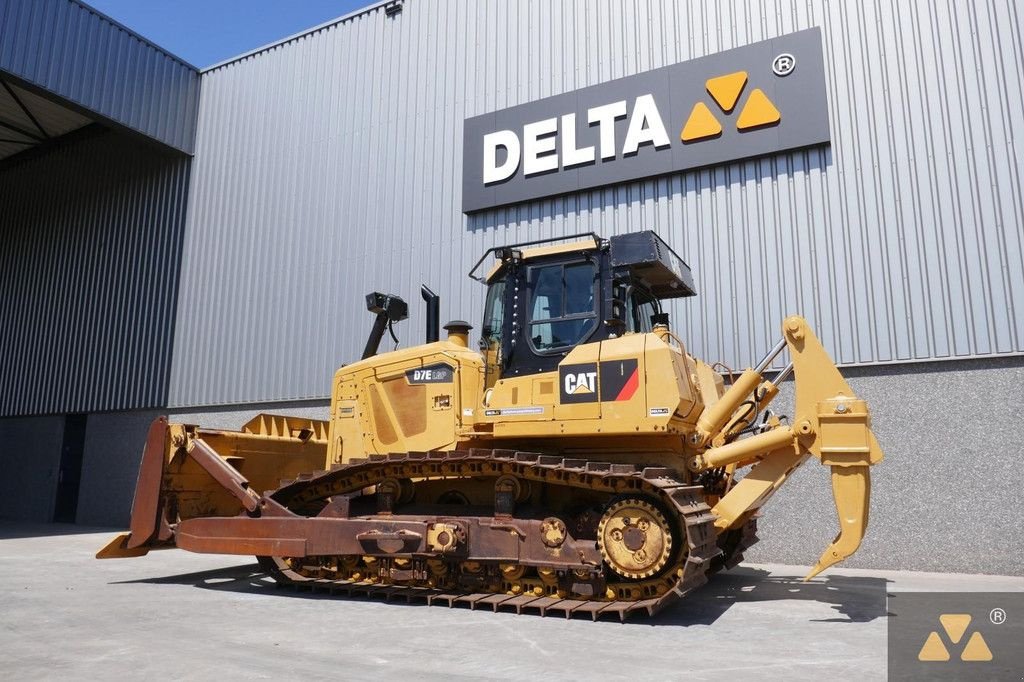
(543, 301)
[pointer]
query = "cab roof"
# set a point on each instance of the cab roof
(588, 244)
(642, 256)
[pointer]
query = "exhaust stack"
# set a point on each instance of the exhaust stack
(433, 302)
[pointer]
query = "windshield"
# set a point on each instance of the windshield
(563, 308)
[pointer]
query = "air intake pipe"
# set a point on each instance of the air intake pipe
(388, 309)
(433, 302)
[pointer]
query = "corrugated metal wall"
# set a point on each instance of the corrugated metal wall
(81, 55)
(330, 165)
(91, 233)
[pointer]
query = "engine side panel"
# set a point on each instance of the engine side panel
(414, 399)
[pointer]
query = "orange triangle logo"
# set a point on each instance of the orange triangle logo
(976, 649)
(701, 124)
(933, 649)
(758, 111)
(955, 625)
(726, 89)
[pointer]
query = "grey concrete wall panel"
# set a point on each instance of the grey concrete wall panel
(69, 49)
(110, 466)
(30, 461)
(92, 233)
(331, 165)
(799, 94)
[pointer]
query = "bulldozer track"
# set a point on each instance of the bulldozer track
(702, 554)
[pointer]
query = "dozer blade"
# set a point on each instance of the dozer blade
(851, 488)
(145, 506)
(188, 472)
(118, 549)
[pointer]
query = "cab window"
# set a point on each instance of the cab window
(494, 312)
(640, 305)
(563, 305)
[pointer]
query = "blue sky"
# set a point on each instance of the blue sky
(204, 32)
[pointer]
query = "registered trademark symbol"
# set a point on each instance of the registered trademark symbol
(784, 64)
(997, 616)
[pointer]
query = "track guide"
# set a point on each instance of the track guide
(309, 493)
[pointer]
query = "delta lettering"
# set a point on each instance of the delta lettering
(551, 143)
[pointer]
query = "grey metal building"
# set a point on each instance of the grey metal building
(96, 135)
(331, 164)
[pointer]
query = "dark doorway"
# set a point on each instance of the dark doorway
(70, 475)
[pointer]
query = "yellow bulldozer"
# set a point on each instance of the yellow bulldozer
(579, 462)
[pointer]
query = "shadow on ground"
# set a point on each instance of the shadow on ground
(854, 599)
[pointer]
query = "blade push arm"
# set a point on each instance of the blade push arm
(830, 423)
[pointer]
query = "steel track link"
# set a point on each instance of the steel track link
(733, 546)
(695, 517)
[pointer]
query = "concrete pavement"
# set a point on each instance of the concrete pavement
(175, 615)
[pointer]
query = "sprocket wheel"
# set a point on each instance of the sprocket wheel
(634, 538)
